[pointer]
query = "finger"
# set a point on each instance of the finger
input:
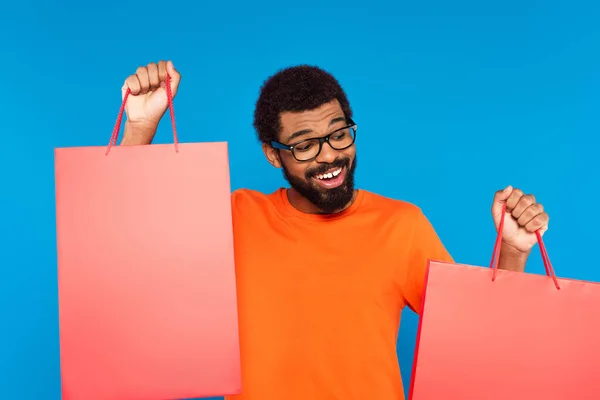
(132, 82)
(529, 213)
(153, 77)
(499, 199)
(175, 77)
(513, 199)
(523, 203)
(501, 195)
(142, 74)
(162, 72)
(539, 222)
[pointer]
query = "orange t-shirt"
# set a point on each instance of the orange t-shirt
(320, 297)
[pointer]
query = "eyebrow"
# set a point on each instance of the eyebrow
(306, 131)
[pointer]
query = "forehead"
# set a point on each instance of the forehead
(296, 125)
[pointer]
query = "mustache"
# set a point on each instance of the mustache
(322, 168)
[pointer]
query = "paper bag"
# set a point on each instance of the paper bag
(488, 334)
(147, 299)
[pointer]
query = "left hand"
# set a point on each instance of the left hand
(523, 217)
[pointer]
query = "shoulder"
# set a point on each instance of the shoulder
(245, 195)
(247, 200)
(403, 217)
(250, 208)
(249, 196)
(403, 225)
(390, 207)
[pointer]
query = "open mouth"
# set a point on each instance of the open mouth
(332, 178)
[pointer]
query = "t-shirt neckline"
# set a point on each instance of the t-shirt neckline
(288, 209)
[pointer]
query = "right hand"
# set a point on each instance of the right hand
(147, 101)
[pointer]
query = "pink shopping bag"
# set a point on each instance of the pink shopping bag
(147, 296)
(488, 334)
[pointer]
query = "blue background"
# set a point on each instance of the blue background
(454, 100)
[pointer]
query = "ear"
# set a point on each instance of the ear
(272, 155)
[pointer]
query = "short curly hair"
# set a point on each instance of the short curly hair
(294, 89)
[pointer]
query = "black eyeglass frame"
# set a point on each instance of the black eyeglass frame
(290, 147)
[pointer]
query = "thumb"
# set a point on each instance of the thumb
(124, 89)
(499, 199)
(175, 77)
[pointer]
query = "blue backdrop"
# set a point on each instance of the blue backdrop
(454, 100)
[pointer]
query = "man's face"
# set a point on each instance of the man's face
(327, 181)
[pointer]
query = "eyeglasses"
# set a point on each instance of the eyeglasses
(309, 149)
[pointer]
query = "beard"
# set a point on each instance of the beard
(327, 200)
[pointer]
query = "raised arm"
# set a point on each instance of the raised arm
(147, 101)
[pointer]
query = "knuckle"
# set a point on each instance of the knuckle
(542, 219)
(526, 200)
(518, 192)
(132, 81)
(530, 214)
(153, 76)
(532, 227)
(152, 69)
(141, 71)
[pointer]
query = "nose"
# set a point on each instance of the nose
(327, 154)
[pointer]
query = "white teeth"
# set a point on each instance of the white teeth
(329, 175)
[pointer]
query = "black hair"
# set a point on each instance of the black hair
(294, 89)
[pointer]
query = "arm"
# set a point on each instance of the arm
(138, 134)
(512, 260)
(147, 101)
(424, 245)
(524, 216)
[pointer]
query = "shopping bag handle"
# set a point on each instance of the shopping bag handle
(117, 128)
(498, 244)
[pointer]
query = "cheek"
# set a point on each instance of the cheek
(350, 153)
(296, 168)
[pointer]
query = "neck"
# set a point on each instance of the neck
(302, 204)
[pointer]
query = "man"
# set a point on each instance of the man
(323, 269)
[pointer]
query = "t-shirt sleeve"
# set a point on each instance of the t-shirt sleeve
(424, 245)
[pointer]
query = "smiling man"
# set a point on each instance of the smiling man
(323, 269)
(315, 149)
(328, 186)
